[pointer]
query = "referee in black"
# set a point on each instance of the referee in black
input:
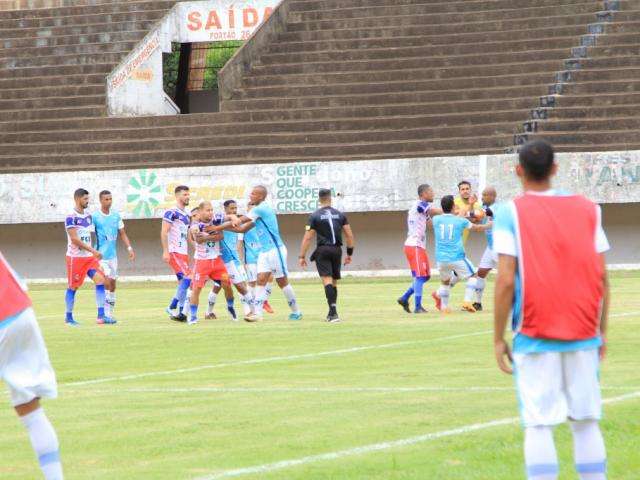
(327, 224)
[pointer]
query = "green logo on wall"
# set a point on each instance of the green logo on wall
(144, 194)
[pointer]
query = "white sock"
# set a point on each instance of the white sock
(480, 282)
(186, 309)
(268, 289)
(212, 302)
(540, 453)
(291, 298)
(589, 451)
(45, 443)
(258, 299)
(247, 301)
(443, 293)
(454, 279)
(470, 290)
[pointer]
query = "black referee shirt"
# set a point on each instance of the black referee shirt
(328, 223)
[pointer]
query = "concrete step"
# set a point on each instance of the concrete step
(605, 74)
(56, 70)
(58, 113)
(76, 20)
(602, 87)
(421, 15)
(77, 49)
(595, 141)
(75, 9)
(589, 112)
(52, 81)
(585, 125)
(36, 104)
(63, 40)
(617, 98)
(76, 30)
(49, 92)
(59, 60)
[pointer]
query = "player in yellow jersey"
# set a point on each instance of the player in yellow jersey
(467, 206)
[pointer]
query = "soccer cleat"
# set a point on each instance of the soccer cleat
(267, 308)
(295, 316)
(181, 317)
(333, 318)
(100, 321)
(170, 312)
(404, 304)
(192, 321)
(468, 307)
(71, 322)
(420, 310)
(437, 299)
(109, 321)
(251, 317)
(211, 316)
(446, 310)
(477, 306)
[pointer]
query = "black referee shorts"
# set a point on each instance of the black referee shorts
(328, 261)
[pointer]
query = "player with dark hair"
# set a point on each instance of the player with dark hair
(328, 224)
(559, 326)
(488, 261)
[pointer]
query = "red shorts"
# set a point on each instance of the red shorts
(179, 263)
(418, 261)
(204, 270)
(78, 268)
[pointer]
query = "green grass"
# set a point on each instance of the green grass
(162, 427)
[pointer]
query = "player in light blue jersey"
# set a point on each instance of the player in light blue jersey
(108, 225)
(448, 232)
(273, 253)
(489, 258)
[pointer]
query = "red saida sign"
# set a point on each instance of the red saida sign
(226, 23)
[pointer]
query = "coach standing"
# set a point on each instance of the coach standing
(327, 224)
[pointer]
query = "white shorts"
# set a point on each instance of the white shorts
(489, 259)
(274, 261)
(252, 272)
(110, 268)
(236, 273)
(462, 268)
(24, 361)
(555, 386)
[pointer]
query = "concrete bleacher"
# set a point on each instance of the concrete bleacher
(347, 79)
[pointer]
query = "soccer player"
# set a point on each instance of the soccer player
(82, 258)
(327, 224)
(249, 249)
(194, 219)
(273, 253)
(488, 260)
(108, 225)
(175, 249)
(207, 261)
(415, 247)
(26, 369)
(448, 230)
(467, 205)
(560, 326)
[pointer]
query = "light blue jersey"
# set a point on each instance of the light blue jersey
(448, 230)
(488, 233)
(107, 228)
(229, 247)
(266, 227)
(251, 246)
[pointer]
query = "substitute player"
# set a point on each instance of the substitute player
(415, 247)
(273, 253)
(82, 259)
(559, 326)
(488, 261)
(26, 369)
(327, 224)
(108, 225)
(175, 249)
(448, 230)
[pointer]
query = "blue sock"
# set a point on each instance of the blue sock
(418, 283)
(407, 295)
(174, 303)
(69, 300)
(100, 297)
(230, 308)
(194, 311)
(181, 294)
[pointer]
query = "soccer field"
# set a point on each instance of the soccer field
(383, 395)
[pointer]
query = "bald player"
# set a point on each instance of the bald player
(489, 259)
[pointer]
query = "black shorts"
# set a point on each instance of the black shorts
(328, 261)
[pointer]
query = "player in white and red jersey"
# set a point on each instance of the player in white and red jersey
(175, 249)
(26, 369)
(82, 259)
(415, 247)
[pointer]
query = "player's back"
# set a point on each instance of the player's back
(448, 231)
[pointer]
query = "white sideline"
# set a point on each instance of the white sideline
(270, 467)
(272, 359)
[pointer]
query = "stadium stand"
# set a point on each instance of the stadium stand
(346, 79)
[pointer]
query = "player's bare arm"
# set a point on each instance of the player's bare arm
(127, 243)
(350, 241)
(433, 211)
(75, 239)
(505, 285)
(604, 315)
(227, 225)
(309, 234)
(481, 228)
(240, 249)
(164, 239)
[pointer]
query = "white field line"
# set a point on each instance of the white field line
(271, 359)
(376, 447)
